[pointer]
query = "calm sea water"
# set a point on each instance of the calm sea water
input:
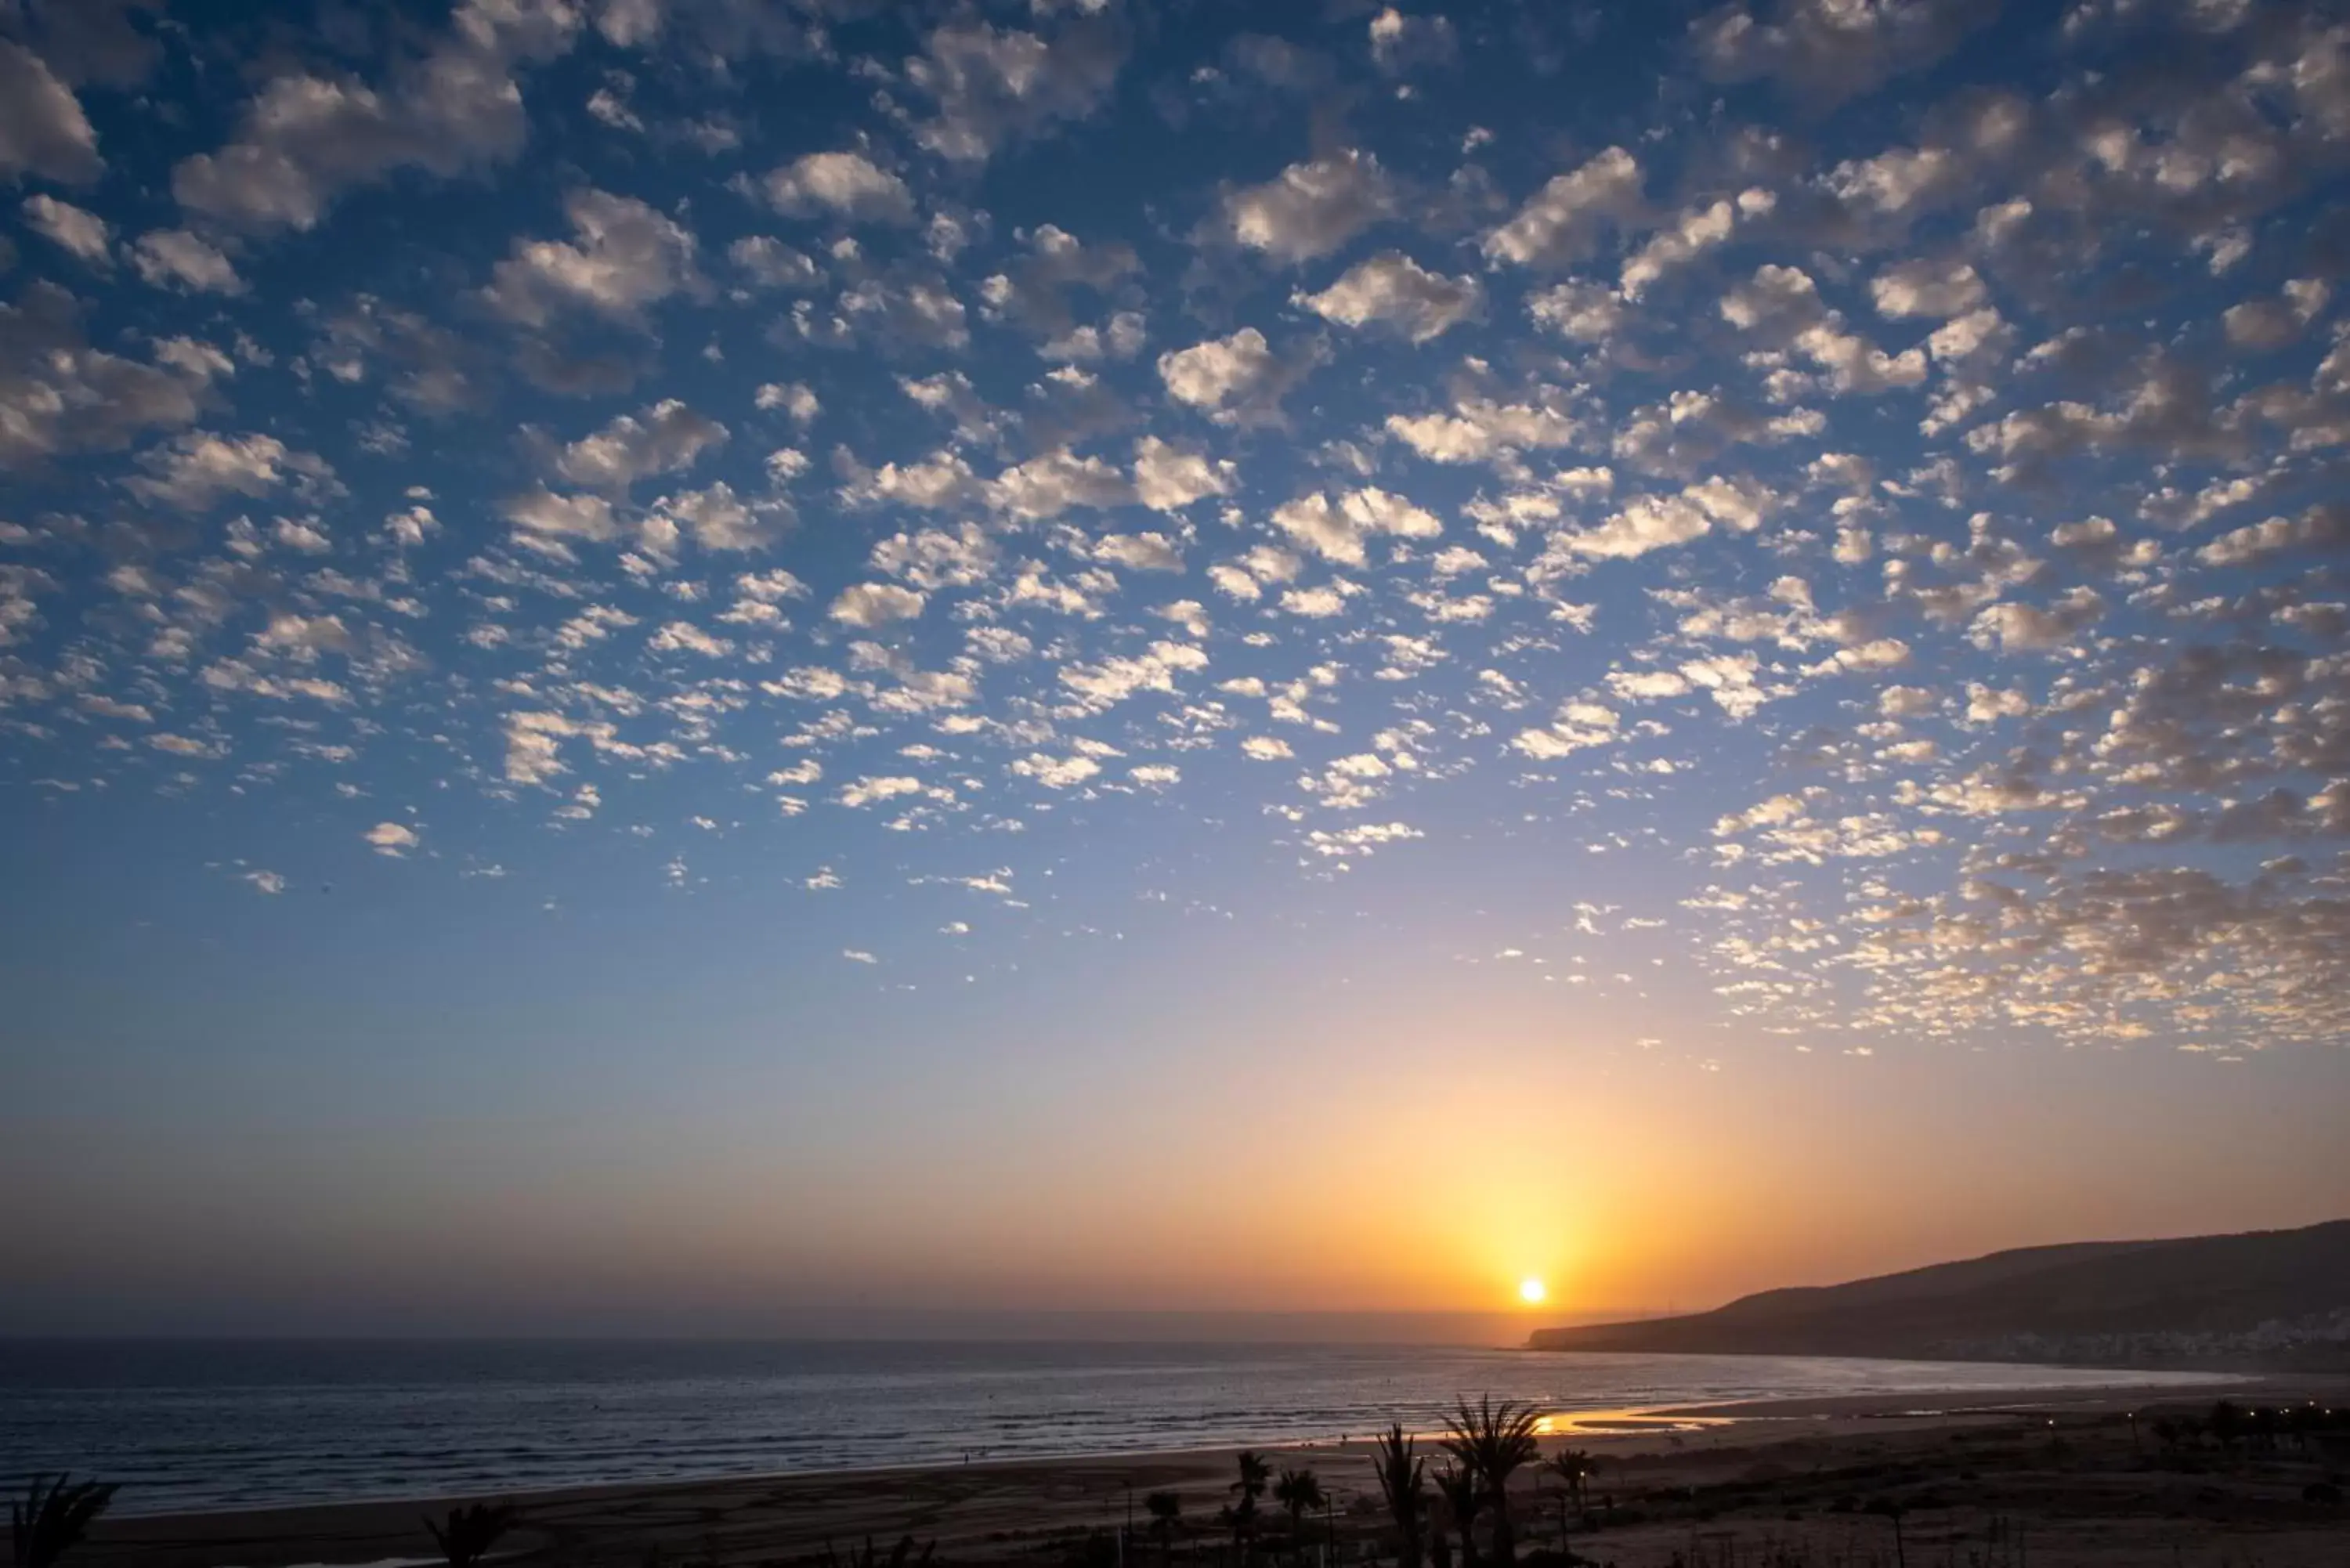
(227, 1424)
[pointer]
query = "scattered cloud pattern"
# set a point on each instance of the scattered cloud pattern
(1911, 532)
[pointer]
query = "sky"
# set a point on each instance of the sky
(705, 666)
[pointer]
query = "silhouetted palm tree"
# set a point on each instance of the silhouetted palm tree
(1166, 1510)
(1463, 1491)
(471, 1531)
(1255, 1471)
(1494, 1441)
(1300, 1492)
(1403, 1482)
(1574, 1469)
(51, 1520)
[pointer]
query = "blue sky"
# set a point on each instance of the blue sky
(615, 602)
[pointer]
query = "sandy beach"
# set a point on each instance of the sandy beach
(2053, 1479)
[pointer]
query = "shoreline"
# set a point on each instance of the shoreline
(1596, 1425)
(986, 1508)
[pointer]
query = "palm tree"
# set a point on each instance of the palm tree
(1403, 1483)
(1574, 1468)
(51, 1520)
(1299, 1492)
(1255, 1471)
(1166, 1509)
(1493, 1441)
(1463, 1493)
(471, 1531)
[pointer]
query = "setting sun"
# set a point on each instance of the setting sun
(1530, 1292)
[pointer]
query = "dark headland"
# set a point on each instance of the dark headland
(2265, 1300)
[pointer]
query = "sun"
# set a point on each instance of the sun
(1530, 1292)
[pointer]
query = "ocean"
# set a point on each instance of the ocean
(188, 1425)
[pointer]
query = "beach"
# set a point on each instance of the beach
(2051, 1478)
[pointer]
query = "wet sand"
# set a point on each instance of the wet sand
(1705, 1482)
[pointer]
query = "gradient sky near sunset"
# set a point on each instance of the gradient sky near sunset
(712, 665)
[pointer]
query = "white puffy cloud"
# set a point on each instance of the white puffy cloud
(769, 263)
(195, 470)
(1646, 523)
(2267, 324)
(993, 84)
(1478, 429)
(718, 519)
(1209, 374)
(80, 234)
(1581, 725)
(663, 439)
(2318, 529)
(304, 137)
(847, 184)
(1114, 679)
(534, 743)
(1400, 43)
(2015, 628)
(168, 258)
(796, 398)
(1336, 530)
(1562, 222)
(1055, 773)
(870, 605)
(1587, 312)
(1395, 289)
(43, 132)
(1824, 51)
(392, 838)
(547, 514)
(1687, 237)
(1310, 209)
(1363, 838)
(1317, 603)
(1149, 552)
(58, 394)
(941, 481)
(1048, 485)
(1925, 285)
(934, 558)
(1168, 478)
(684, 637)
(1233, 379)
(903, 311)
(872, 791)
(623, 257)
(1782, 305)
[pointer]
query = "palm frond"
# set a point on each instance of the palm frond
(53, 1517)
(471, 1532)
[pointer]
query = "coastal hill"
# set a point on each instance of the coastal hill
(2266, 1298)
